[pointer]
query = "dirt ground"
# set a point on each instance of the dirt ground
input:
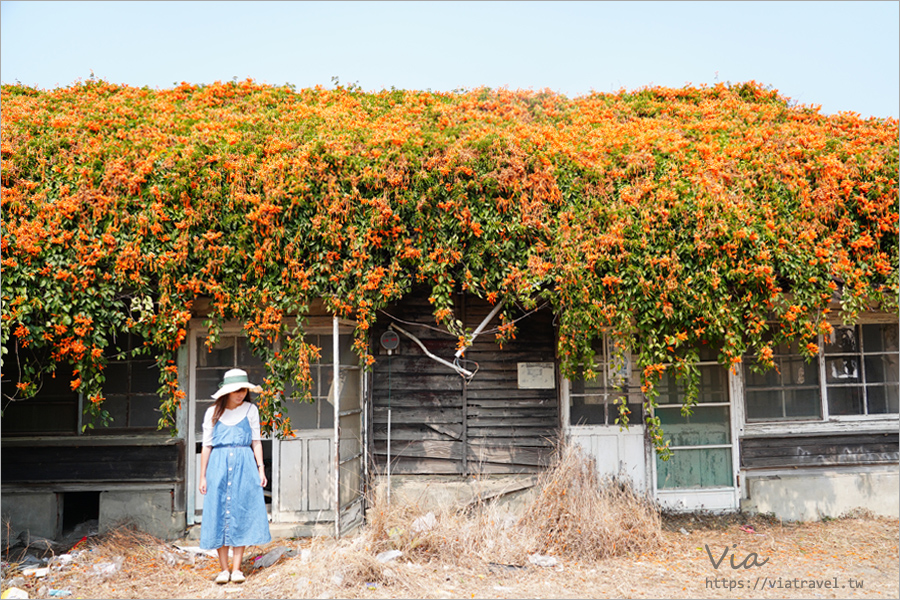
(844, 558)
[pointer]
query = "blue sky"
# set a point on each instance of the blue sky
(844, 56)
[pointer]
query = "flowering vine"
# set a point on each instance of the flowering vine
(666, 218)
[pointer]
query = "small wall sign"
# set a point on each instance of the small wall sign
(537, 376)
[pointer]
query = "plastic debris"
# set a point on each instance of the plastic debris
(539, 560)
(59, 593)
(271, 557)
(305, 555)
(35, 571)
(684, 531)
(14, 592)
(371, 586)
(108, 569)
(388, 556)
(198, 550)
(424, 523)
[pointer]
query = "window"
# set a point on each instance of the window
(861, 374)
(790, 390)
(594, 401)
(53, 411)
(319, 414)
(130, 390)
(855, 374)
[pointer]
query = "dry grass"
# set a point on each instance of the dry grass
(608, 540)
(579, 514)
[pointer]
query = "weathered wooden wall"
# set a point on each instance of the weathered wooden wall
(442, 425)
(820, 450)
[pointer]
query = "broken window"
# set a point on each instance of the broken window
(855, 374)
(861, 370)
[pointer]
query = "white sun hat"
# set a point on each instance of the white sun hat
(233, 380)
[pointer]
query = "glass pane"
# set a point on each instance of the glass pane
(323, 343)
(303, 415)
(256, 375)
(796, 371)
(348, 356)
(844, 369)
(350, 392)
(326, 414)
(764, 404)
(144, 377)
(801, 403)
(245, 357)
(713, 384)
(208, 382)
(768, 378)
(588, 410)
(880, 338)
(845, 400)
(117, 405)
(710, 467)
(144, 411)
(883, 399)
(199, 412)
(222, 355)
(882, 369)
(842, 340)
(707, 425)
(116, 378)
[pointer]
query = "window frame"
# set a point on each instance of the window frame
(826, 423)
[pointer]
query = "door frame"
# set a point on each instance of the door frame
(720, 499)
(335, 327)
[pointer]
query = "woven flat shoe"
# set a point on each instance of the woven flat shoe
(223, 577)
(237, 577)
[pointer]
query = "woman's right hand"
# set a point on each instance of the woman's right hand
(203, 485)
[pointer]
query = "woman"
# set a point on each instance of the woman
(232, 476)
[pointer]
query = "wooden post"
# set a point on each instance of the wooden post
(335, 331)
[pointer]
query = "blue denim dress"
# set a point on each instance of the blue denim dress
(234, 510)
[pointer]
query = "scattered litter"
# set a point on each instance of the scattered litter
(371, 586)
(388, 556)
(305, 555)
(337, 579)
(63, 560)
(35, 571)
(174, 559)
(539, 560)
(506, 567)
(684, 531)
(502, 588)
(270, 558)
(108, 569)
(198, 550)
(424, 523)
(59, 593)
(748, 529)
(14, 592)
(78, 543)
